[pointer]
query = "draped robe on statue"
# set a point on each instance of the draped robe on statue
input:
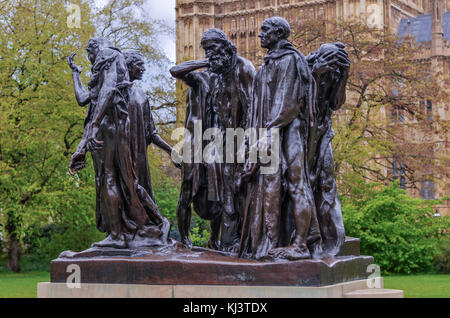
(285, 93)
(281, 99)
(200, 183)
(331, 95)
(219, 101)
(125, 201)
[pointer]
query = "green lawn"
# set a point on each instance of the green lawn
(22, 285)
(420, 286)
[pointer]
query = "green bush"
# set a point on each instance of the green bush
(200, 231)
(166, 194)
(442, 259)
(400, 232)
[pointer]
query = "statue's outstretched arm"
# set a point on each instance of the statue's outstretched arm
(82, 95)
(184, 71)
(152, 136)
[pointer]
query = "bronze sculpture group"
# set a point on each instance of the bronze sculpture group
(290, 213)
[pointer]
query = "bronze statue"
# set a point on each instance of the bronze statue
(118, 129)
(219, 97)
(284, 210)
(281, 217)
(329, 65)
(281, 100)
(290, 213)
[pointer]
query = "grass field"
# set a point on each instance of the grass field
(420, 286)
(23, 285)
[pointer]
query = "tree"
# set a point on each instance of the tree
(387, 85)
(39, 124)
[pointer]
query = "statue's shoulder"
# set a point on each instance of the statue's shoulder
(245, 66)
(106, 56)
(138, 94)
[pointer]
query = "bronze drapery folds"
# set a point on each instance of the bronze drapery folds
(218, 98)
(118, 129)
(295, 213)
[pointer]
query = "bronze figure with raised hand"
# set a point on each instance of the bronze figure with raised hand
(116, 135)
(219, 98)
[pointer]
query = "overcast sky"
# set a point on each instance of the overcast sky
(163, 10)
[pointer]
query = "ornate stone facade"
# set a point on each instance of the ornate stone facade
(432, 32)
(241, 19)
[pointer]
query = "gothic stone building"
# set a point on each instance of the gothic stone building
(241, 19)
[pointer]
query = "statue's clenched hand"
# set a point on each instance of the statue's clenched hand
(77, 162)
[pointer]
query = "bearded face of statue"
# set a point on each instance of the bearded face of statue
(219, 58)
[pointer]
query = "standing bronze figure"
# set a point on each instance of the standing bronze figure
(219, 97)
(117, 135)
(281, 99)
(330, 66)
(281, 218)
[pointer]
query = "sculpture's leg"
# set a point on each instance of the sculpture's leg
(111, 197)
(184, 213)
(213, 242)
(300, 193)
(209, 210)
(230, 218)
(328, 207)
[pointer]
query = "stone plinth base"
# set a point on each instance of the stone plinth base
(152, 270)
(350, 289)
(375, 293)
(175, 265)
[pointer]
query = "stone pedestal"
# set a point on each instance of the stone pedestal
(174, 271)
(175, 265)
(61, 290)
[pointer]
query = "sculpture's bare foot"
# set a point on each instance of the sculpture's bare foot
(110, 242)
(187, 242)
(233, 248)
(213, 244)
(291, 253)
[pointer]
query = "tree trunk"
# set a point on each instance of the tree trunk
(13, 247)
(14, 254)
